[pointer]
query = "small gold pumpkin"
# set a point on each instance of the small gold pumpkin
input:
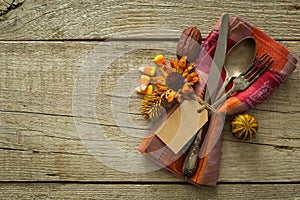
(244, 126)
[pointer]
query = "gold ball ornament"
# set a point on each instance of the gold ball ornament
(244, 126)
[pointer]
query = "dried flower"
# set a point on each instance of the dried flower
(176, 80)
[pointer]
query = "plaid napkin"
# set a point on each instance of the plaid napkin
(208, 166)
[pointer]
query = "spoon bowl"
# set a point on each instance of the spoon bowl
(240, 57)
(238, 60)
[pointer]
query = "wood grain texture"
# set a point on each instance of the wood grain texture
(76, 20)
(39, 141)
(148, 191)
(43, 48)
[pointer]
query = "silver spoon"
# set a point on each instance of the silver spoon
(239, 58)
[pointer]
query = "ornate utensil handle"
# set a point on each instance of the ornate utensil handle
(191, 162)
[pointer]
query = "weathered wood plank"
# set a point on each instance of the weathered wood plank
(39, 141)
(38, 147)
(35, 147)
(148, 191)
(60, 20)
(35, 76)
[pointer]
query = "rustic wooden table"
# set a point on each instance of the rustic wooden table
(44, 45)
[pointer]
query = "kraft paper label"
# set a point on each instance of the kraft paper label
(182, 125)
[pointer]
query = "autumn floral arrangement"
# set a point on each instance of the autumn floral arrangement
(175, 83)
(176, 80)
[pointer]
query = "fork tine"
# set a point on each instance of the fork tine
(260, 72)
(260, 67)
(253, 66)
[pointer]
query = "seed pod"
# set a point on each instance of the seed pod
(153, 106)
(189, 44)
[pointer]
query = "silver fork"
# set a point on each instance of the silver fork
(243, 81)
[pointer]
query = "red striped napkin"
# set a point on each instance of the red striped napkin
(210, 153)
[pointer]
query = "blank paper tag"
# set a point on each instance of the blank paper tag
(182, 125)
